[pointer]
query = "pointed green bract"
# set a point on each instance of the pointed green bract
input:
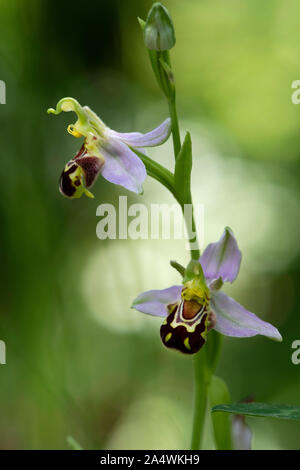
(167, 69)
(261, 410)
(179, 268)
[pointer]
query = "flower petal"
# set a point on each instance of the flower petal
(222, 259)
(154, 302)
(232, 319)
(122, 166)
(156, 137)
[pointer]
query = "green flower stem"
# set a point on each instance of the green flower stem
(201, 386)
(160, 62)
(191, 229)
(168, 85)
(205, 363)
(175, 125)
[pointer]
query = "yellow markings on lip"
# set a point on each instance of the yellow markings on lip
(190, 328)
(72, 130)
(186, 342)
(168, 337)
(204, 333)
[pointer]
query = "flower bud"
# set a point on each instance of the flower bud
(159, 33)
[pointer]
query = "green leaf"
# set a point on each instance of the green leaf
(262, 410)
(218, 391)
(73, 443)
(183, 169)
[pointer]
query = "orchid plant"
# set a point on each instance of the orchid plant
(196, 312)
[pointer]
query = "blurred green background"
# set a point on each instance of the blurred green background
(79, 361)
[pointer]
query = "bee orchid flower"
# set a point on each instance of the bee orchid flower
(104, 151)
(193, 308)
